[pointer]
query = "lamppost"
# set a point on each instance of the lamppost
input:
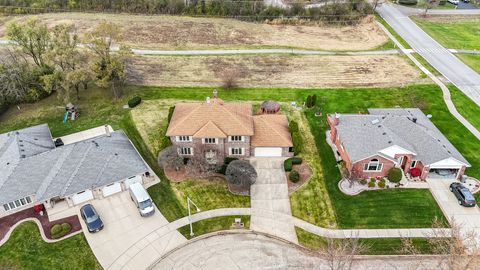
(189, 213)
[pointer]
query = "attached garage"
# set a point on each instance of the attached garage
(82, 197)
(268, 151)
(133, 179)
(111, 189)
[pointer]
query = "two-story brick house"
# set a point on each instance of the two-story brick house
(372, 144)
(215, 129)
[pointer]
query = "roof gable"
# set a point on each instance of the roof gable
(209, 130)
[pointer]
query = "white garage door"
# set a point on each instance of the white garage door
(134, 179)
(82, 197)
(268, 151)
(111, 189)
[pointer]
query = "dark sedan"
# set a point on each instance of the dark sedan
(92, 219)
(463, 194)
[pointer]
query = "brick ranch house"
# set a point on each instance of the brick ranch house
(215, 129)
(372, 144)
(33, 170)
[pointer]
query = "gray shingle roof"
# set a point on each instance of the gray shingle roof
(366, 135)
(73, 168)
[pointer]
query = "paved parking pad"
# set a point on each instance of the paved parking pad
(126, 238)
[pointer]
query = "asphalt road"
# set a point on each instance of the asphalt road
(462, 76)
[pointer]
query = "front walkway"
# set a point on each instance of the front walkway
(270, 202)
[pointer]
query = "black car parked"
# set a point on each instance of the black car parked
(92, 219)
(464, 196)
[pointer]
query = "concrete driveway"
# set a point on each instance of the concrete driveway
(467, 217)
(270, 202)
(124, 230)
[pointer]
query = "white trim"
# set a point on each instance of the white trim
(180, 151)
(18, 203)
(230, 138)
(215, 141)
(447, 164)
(242, 151)
(182, 138)
(377, 163)
(414, 162)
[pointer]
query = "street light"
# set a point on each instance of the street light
(189, 213)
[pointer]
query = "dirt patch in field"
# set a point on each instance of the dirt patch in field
(175, 32)
(274, 71)
(450, 18)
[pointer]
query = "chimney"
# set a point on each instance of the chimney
(215, 93)
(208, 100)
(107, 131)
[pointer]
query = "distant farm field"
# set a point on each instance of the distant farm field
(274, 71)
(175, 32)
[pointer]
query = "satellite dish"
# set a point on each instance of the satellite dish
(429, 116)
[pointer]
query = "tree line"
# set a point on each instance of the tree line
(44, 61)
(346, 12)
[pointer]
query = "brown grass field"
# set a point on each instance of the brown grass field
(274, 71)
(175, 32)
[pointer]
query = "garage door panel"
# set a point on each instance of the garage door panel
(268, 151)
(111, 189)
(82, 197)
(134, 179)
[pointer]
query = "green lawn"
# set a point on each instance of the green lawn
(26, 250)
(212, 225)
(98, 108)
(375, 246)
(473, 60)
(460, 33)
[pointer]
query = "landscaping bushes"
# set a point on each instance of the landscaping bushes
(296, 138)
(381, 183)
(60, 230)
(395, 175)
(311, 101)
(132, 103)
(294, 176)
(408, 2)
(288, 163)
(372, 182)
(222, 169)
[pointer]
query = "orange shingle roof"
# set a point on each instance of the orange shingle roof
(271, 130)
(213, 119)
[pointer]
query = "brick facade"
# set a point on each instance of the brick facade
(358, 171)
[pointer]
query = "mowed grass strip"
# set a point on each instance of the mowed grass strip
(213, 225)
(26, 250)
(374, 246)
(453, 32)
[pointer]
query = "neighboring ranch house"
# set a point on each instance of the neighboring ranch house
(215, 129)
(372, 144)
(34, 171)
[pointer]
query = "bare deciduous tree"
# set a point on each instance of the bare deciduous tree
(241, 173)
(339, 254)
(169, 157)
(229, 78)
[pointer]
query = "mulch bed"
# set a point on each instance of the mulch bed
(305, 173)
(8, 221)
(238, 190)
(175, 176)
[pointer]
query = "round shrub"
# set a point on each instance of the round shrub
(288, 163)
(60, 230)
(371, 184)
(294, 176)
(381, 184)
(132, 103)
(363, 182)
(394, 175)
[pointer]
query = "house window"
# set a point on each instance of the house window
(184, 138)
(185, 151)
(17, 203)
(210, 141)
(413, 164)
(236, 138)
(373, 166)
(236, 151)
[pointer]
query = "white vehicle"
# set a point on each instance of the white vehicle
(141, 198)
(455, 2)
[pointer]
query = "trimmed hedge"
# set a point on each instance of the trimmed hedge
(371, 184)
(294, 176)
(132, 103)
(381, 184)
(60, 230)
(394, 175)
(296, 138)
(288, 163)
(408, 2)
(170, 113)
